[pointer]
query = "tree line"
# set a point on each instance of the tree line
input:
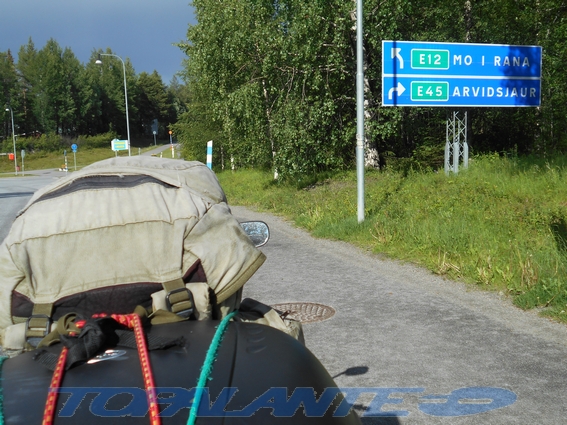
(274, 81)
(51, 92)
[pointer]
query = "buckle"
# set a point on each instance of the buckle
(186, 313)
(34, 340)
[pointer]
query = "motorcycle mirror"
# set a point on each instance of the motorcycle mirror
(257, 231)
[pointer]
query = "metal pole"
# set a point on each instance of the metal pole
(359, 111)
(125, 97)
(447, 150)
(9, 108)
(456, 143)
(466, 145)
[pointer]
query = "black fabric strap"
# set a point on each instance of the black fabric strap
(97, 335)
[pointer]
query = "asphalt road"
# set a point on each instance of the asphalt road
(426, 350)
(408, 347)
(15, 193)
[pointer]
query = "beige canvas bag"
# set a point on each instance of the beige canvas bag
(107, 237)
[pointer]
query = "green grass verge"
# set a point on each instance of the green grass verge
(46, 160)
(500, 225)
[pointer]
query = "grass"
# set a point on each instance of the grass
(500, 225)
(47, 160)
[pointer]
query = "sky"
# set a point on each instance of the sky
(142, 30)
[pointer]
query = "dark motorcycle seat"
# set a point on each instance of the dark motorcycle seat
(265, 365)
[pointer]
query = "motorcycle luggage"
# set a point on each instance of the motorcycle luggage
(260, 376)
(107, 237)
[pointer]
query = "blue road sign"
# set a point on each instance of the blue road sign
(74, 147)
(460, 74)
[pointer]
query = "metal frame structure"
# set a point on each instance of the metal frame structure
(456, 146)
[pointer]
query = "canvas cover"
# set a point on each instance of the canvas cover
(111, 233)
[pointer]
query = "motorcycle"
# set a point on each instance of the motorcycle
(153, 243)
(202, 372)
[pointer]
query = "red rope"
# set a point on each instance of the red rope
(131, 321)
(53, 393)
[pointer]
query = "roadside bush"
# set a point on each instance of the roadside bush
(93, 142)
(55, 142)
(45, 142)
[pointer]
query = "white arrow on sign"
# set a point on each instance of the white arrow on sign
(396, 53)
(400, 89)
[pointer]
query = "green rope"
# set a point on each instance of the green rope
(207, 368)
(2, 359)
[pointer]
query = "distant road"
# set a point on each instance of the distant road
(16, 191)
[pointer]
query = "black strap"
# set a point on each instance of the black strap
(96, 336)
(248, 304)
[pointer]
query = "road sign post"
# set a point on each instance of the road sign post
(210, 154)
(460, 74)
(119, 145)
(155, 129)
(74, 148)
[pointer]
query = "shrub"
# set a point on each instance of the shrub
(55, 142)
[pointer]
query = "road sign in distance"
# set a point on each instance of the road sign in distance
(119, 145)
